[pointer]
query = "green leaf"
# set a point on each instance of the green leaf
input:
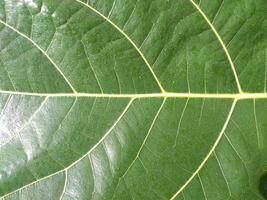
(133, 99)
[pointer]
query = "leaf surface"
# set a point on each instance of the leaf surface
(128, 99)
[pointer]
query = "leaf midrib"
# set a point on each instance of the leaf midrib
(238, 96)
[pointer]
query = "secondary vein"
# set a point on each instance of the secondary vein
(221, 42)
(209, 153)
(40, 49)
(129, 39)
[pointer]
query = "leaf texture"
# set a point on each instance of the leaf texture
(131, 99)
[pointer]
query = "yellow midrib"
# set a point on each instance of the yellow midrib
(148, 95)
